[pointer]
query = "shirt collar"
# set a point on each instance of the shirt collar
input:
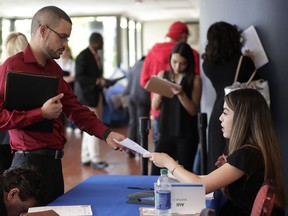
(29, 56)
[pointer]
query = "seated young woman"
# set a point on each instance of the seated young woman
(253, 156)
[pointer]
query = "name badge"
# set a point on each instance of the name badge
(187, 198)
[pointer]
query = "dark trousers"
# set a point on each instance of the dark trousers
(182, 149)
(155, 130)
(136, 111)
(50, 169)
(5, 157)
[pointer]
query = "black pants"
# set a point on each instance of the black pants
(182, 149)
(5, 157)
(50, 169)
(136, 110)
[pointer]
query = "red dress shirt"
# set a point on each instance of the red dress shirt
(13, 121)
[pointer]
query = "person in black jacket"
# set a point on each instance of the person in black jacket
(138, 101)
(88, 87)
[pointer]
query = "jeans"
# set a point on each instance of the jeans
(155, 129)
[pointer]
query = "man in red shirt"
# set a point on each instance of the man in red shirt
(50, 30)
(158, 60)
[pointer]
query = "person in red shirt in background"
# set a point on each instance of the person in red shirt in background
(158, 60)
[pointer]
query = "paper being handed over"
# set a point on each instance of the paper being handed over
(128, 143)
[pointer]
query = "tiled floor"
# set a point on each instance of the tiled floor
(119, 162)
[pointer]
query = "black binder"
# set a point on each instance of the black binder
(25, 91)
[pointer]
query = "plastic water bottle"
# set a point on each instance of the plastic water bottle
(163, 194)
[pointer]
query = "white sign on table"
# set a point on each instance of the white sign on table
(187, 198)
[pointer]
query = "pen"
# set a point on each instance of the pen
(141, 188)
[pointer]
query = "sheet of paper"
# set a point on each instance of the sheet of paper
(128, 143)
(253, 43)
(144, 211)
(74, 210)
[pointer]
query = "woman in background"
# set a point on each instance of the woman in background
(253, 156)
(178, 125)
(67, 63)
(221, 57)
(14, 43)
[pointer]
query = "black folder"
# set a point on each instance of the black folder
(26, 91)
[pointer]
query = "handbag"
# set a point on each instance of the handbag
(260, 85)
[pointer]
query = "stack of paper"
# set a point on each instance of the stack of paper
(74, 210)
(144, 211)
(253, 43)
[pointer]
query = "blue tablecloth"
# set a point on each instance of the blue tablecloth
(107, 194)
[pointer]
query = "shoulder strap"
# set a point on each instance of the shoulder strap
(166, 74)
(251, 77)
(238, 68)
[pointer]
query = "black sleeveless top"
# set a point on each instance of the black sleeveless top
(174, 120)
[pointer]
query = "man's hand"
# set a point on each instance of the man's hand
(112, 143)
(52, 108)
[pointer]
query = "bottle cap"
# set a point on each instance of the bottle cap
(163, 171)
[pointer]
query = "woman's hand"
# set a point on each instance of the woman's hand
(176, 90)
(250, 54)
(161, 160)
(221, 160)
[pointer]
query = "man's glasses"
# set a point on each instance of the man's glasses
(63, 37)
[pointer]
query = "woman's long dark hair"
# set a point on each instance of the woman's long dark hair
(253, 126)
(184, 50)
(223, 43)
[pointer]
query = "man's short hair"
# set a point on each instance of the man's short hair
(49, 15)
(27, 179)
(95, 37)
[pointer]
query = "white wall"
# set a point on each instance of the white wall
(154, 32)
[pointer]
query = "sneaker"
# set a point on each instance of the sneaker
(86, 163)
(131, 154)
(69, 130)
(99, 165)
(77, 131)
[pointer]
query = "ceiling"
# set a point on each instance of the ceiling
(143, 10)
